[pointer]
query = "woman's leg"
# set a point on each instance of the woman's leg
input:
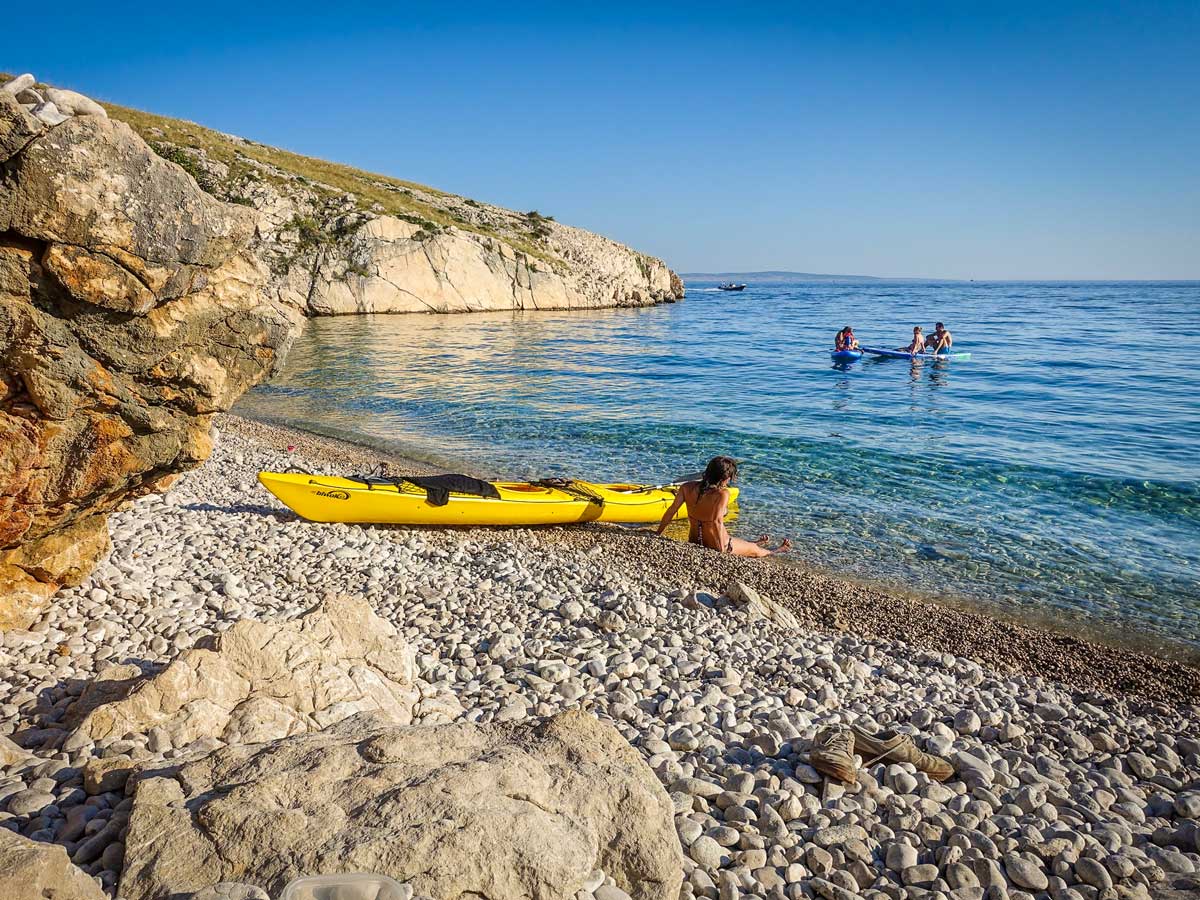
(756, 551)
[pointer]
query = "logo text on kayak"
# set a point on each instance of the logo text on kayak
(333, 495)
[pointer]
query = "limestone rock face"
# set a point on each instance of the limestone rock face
(259, 681)
(390, 265)
(460, 811)
(331, 248)
(34, 871)
(139, 215)
(131, 310)
(330, 251)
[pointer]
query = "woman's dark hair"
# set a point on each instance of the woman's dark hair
(718, 469)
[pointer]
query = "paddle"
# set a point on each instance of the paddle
(695, 476)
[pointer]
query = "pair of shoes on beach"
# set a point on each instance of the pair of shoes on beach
(834, 748)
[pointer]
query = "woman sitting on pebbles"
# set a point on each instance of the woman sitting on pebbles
(707, 502)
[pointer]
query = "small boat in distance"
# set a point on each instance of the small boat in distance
(730, 286)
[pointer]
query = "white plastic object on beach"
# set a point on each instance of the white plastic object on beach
(357, 886)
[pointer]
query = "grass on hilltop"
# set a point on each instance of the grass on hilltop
(394, 195)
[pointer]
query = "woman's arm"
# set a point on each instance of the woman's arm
(669, 515)
(722, 510)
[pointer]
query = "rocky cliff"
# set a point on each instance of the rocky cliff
(131, 311)
(152, 270)
(336, 240)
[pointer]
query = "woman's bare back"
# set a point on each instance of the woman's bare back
(706, 515)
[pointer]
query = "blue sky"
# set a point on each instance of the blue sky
(965, 139)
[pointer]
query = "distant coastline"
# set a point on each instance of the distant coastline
(781, 276)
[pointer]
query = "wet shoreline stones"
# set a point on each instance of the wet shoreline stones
(1064, 792)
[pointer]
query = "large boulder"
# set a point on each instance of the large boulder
(131, 311)
(93, 185)
(259, 681)
(460, 811)
(18, 85)
(34, 871)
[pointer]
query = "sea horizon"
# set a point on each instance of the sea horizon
(785, 275)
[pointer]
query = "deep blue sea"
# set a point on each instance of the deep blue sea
(1055, 475)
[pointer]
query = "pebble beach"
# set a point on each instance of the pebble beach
(1077, 764)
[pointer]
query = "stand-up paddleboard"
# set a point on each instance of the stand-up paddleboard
(901, 354)
(846, 355)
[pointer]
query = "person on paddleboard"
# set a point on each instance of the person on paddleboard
(941, 339)
(707, 502)
(918, 342)
(845, 340)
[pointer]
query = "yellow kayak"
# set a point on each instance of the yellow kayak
(321, 498)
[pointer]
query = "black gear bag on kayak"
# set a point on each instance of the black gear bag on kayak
(437, 488)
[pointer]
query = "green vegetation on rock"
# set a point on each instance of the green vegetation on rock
(430, 208)
(327, 234)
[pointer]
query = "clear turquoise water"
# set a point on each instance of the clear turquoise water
(1055, 474)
